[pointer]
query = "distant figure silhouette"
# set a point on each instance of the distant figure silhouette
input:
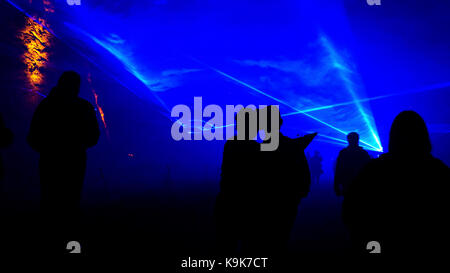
(63, 127)
(349, 162)
(316, 167)
(6, 139)
(264, 189)
(400, 198)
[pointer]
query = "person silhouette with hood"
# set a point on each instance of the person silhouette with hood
(399, 200)
(63, 127)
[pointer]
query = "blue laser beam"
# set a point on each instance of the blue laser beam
(123, 58)
(346, 143)
(344, 73)
(330, 142)
(277, 100)
(414, 91)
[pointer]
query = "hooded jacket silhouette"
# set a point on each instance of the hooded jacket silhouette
(260, 192)
(63, 127)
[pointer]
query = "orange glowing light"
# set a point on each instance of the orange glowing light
(48, 6)
(36, 40)
(100, 109)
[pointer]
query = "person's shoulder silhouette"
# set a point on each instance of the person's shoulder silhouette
(399, 198)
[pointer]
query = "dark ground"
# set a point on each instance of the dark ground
(168, 225)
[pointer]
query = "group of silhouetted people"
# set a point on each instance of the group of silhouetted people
(260, 192)
(398, 200)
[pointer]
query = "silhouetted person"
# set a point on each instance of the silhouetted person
(239, 165)
(6, 139)
(282, 180)
(63, 127)
(316, 167)
(400, 198)
(349, 162)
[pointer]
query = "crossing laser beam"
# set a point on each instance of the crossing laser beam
(279, 101)
(345, 75)
(346, 143)
(414, 91)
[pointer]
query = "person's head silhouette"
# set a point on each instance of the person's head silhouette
(353, 139)
(68, 85)
(409, 135)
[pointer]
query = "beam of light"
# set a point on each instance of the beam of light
(417, 90)
(125, 59)
(278, 100)
(37, 40)
(331, 142)
(371, 148)
(344, 73)
(34, 92)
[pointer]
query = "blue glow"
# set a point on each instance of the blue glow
(419, 90)
(287, 104)
(126, 60)
(313, 58)
(346, 143)
(345, 75)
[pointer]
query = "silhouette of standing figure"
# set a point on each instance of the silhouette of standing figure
(400, 198)
(283, 179)
(349, 162)
(6, 139)
(316, 167)
(239, 165)
(63, 127)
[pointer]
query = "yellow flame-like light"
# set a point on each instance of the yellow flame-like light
(36, 40)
